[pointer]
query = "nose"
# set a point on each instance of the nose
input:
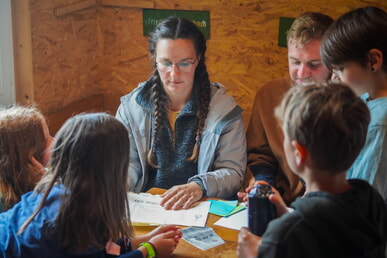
(303, 72)
(174, 70)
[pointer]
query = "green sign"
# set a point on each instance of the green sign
(284, 26)
(151, 17)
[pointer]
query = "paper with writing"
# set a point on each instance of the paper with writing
(145, 209)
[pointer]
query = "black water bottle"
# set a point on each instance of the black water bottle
(261, 210)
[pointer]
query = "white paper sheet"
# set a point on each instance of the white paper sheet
(145, 208)
(235, 221)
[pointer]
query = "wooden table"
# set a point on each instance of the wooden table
(184, 249)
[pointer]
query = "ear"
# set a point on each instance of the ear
(301, 153)
(335, 78)
(375, 57)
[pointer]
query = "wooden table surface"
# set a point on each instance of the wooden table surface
(184, 249)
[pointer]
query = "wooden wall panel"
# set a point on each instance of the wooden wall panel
(243, 51)
(102, 50)
(55, 119)
(64, 54)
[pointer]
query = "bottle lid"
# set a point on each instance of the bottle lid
(261, 191)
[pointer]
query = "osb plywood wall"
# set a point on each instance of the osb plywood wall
(64, 53)
(102, 50)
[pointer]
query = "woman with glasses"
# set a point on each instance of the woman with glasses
(187, 135)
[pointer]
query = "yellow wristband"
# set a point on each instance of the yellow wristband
(149, 248)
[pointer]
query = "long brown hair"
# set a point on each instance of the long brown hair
(21, 138)
(177, 28)
(90, 157)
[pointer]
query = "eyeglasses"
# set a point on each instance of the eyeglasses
(183, 67)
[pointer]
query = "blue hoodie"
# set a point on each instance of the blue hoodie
(39, 238)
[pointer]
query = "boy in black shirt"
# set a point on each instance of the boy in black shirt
(325, 127)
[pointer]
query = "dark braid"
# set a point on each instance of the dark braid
(160, 100)
(176, 28)
(202, 81)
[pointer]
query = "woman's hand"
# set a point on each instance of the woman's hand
(248, 244)
(181, 196)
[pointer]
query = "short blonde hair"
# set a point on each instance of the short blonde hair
(308, 26)
(329, 120)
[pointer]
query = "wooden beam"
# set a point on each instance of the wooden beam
(129, 3)
(74, 7)
(22, 45)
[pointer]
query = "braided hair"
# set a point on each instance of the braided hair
(178, 28)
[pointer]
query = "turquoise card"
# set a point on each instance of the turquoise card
(222, 208)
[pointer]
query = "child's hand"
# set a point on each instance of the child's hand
(176, 232)
(166, 243)
(278, 202)
(275, 198)
(166, 228)
(248, 243)
(245, 196)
